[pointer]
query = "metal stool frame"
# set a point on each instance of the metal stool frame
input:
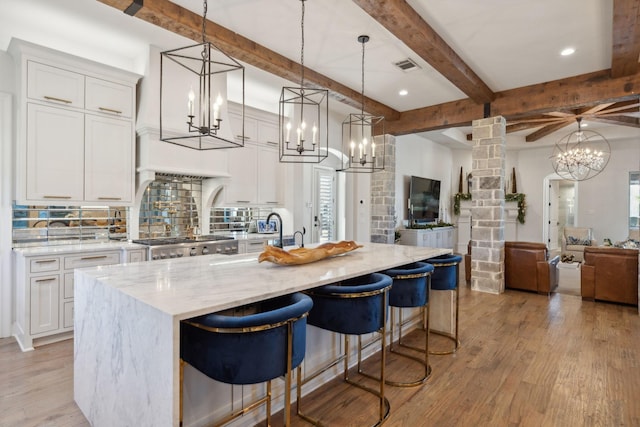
(453, 337)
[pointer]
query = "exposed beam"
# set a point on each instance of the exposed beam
(574, 92)
(547, 130)
(179, 20)
(618, 120)
(407, 25)
(626, 38)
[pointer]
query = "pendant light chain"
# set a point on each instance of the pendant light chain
(204, 21)
(302, 48)
(362, 101)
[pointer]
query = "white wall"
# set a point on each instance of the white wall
(421, 157)
(602, 200)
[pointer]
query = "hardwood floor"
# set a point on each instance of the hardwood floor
(525, 360)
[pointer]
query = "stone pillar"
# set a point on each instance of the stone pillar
(487, 211)
(383, 196)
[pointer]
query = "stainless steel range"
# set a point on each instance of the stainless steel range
(179, 247)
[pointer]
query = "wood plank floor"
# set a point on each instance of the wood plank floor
(525, 360)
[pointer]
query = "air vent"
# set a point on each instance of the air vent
(407, 65)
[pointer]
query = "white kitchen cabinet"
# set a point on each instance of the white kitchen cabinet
(242, 188)
(75, 134)
(54, 85)
(44, 293)
(55, 154)
(269, 182)
(268, 132)
(136, 255)
(250, 126)
(108, 159)
(438, 237)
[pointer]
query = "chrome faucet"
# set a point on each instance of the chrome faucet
(301, 237)
(277, 215)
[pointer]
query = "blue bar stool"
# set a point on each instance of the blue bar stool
(352, 307)
(445, 278)
(266, 343)
(410, 289)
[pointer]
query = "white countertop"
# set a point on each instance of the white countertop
(189, 287)
(85, 247)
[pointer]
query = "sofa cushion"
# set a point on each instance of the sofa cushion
(578, 241)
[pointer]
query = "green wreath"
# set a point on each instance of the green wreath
(512, 197)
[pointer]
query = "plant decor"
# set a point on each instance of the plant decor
(512, 197)
(430, 225)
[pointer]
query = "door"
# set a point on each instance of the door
(324, 217)
(554, 199)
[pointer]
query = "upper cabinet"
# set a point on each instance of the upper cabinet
(255, 172)
(76, 137)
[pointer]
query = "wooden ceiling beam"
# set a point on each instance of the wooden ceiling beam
(179, 20)
(626, 38)
(407, 25)
(547, 130)
(618, 120)
(581, 91)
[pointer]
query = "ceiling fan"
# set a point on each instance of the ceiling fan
(623, 113)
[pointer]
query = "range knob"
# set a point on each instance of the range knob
(163, 255)
(205, 250)
(193, 252)
(180, 254)
(155, 256)
(172, 255)
(218, 250)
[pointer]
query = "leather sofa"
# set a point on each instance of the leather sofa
(610, 274)
(527, 267)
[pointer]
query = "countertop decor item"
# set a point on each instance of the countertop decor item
(303, 119)
(299, 256)
(200, 72)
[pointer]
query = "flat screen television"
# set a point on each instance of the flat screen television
(424, 200)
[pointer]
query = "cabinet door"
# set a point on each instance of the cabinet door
(45, 305)
(109, 98)
(109, 167)
(269, 186)
(55, 85)
(268, 133)
(136, 255)
(243, 170)
(250, 127)
(55, 154)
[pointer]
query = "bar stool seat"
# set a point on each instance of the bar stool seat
(352, 307)
(249, 345)
(410, 289)
(445, 278)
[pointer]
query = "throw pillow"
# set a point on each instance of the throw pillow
(578, 241)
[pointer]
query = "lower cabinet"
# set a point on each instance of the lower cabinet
(44, 293)
(439, 237)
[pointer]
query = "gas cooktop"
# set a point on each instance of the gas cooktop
(178, 240)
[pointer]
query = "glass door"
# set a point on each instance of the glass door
(324, 215)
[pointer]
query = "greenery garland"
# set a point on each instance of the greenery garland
(512, 197)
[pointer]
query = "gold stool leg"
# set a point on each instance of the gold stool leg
(454, 337)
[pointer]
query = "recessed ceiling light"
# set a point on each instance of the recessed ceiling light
(403, 92)
(567, 51)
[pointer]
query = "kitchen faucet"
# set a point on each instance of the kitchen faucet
(301, 237)
(279, 244)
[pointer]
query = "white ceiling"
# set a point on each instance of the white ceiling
(508, 43)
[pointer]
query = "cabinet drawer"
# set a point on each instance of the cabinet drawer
(91, 260)
(55, 85)
(109, 98)
(41, 265)
(67, 315)
(268, 133)
(250, 127)
(67, 291)
(255, 246)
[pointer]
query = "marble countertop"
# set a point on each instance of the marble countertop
(85, 247)
(188, 287)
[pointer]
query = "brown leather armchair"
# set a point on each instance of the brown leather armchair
(610, 274)
(527, 267)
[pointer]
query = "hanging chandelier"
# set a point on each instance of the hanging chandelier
(580, 155)
(303, 119)
(359, 135)
(193, 96)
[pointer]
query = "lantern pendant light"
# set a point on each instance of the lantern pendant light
(193, 96)
(303, 119)
(360, 132)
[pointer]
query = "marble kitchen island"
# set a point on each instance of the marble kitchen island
(127, 320)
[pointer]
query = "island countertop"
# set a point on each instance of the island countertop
(189, 287)
(127, 322)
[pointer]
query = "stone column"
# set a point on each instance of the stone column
(383, 196)
(487, 211)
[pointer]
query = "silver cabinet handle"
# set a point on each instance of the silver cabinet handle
(45, 261)
(50, 279)
(53, 98)
(88, 258)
